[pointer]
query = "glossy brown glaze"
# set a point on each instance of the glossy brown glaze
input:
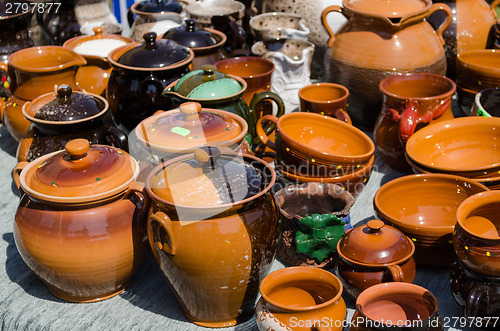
(54, 65)
(301, 294)
(389, 37)
(476, 71)
(424, 208)
(476, 237)
(393, 305)
(14, 32)
(410, 102)
(325, 99)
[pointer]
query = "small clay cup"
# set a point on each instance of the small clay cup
(256, 71)
(309, 295)
(326, 99)
(487, 103)
(424, 208)
(396, 305)
(476, 238)
(298, 201)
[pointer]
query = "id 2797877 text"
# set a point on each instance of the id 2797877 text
(33, 7)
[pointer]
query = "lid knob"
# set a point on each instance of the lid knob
(64, 91)
(190, 25)
(98, 30)
(77, 148)
(150, 40)
(208, 69)
(190, 110)
(375, 225)
(207, 156)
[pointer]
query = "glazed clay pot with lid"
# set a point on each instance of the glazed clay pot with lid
(213, 231)
(57, 118)
(141, 71)
(374, 253)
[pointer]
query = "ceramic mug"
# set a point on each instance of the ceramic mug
(487, 103)
(326, 99)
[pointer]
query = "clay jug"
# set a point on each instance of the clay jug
(382, 38)
(471, 28)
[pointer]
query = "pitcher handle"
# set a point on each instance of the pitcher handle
(396, 272)
(164, 222)
(325, 12)
(261, 132)
(16, 174)
(494, 6)
(446, 23)
(260, 97)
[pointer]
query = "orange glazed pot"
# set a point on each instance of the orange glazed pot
(79, 225)
(214, 232)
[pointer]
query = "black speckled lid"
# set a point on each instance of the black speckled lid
(154, 53)
(189, 36)
(158, 6)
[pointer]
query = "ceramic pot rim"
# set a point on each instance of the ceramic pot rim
(353, 159)
(463, 60)
(274, 13)
(313, 273)
(165, 164)
(323, 102)
(440, 127)
(170, 90)
(472, 203)
(252, 58)
(436, 231)
(78, 40)
(78, 60)
(138, 12)
(236, 140)
(219, 34)
(117, 52)
(82, 200)
(477, 98)
(387, 80)
(30, 118)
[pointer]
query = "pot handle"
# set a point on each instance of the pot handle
(342, 115)
(162, 222)
(473, 301)
(136, 195)
(130, 18)
(494, 6)
(261, 132)
(3, 67)
(396, 272)
(327, 11)
(447, 21)
(117, 138)
(16, 174)
(260, 97)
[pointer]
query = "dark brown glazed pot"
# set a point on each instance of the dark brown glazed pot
(57, 118)
(213, 229)
(410, 102)
(396, 306)
(14, 33)
(479, 294)
(141, 71)
(80, 222)
(382, 38)
(476, 237)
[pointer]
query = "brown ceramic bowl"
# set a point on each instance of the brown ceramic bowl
(476, 238)
(465, 146)
(476, 70)
(424, 208)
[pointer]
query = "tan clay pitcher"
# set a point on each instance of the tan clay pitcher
(382, 38)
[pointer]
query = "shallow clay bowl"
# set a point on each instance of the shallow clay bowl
(477, 233)
(465, 146)
(424, 207)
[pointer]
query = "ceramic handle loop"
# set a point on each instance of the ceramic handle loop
(494, 6)
(396, 272)
(325, 12)
(447, 21)
(16, 173)
(473, 301)
(261, 132)
(156, 222)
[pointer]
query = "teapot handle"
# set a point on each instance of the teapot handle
(16, 174)
(260, 97)
(164, 222)
(396, 272)
(447, 21)
(494, 6)
(261, 132)
(325, 12)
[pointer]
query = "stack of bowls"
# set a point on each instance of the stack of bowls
(317, 148)
(467, 146)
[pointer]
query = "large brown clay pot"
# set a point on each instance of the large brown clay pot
(382, 38)
(214, 231)
(80, 222)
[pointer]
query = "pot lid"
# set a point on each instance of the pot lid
(375, 243)
(208, 178)
(189, 36)
(66, 105)
(153, 53)
(192, 126)
(388, 8)
(207, 83)
(158, 6)
(80, 171)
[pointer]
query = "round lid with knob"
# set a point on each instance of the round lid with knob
(189, 36)
(153, 53)
(79, 173)
(158, 6)
(209, 178)
(375, 244)
(66, 105)
(191, 126)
